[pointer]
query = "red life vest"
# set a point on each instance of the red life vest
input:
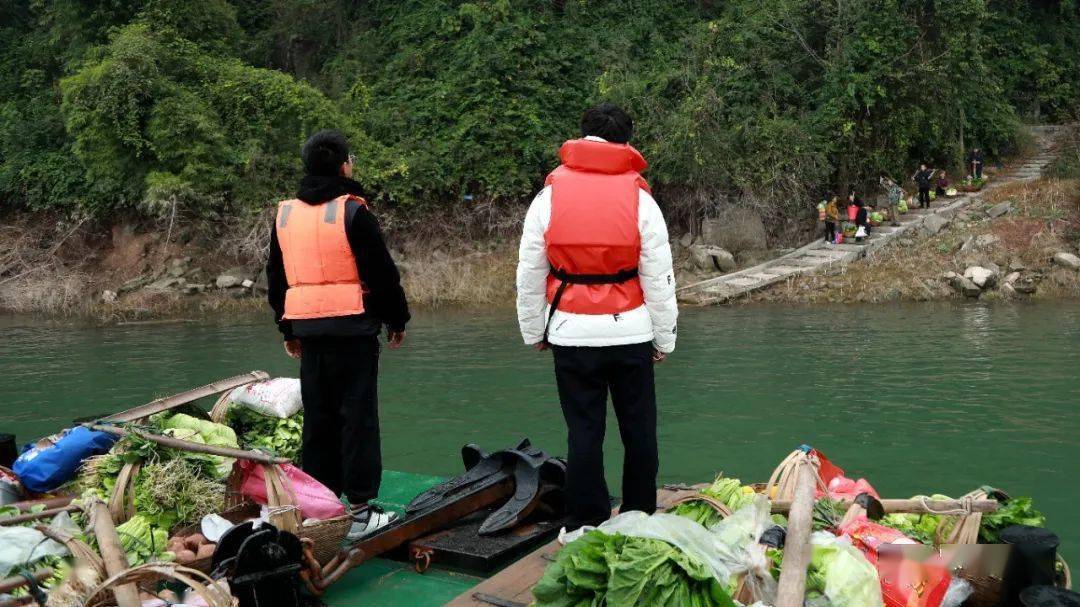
(319, 263)
(593, 242)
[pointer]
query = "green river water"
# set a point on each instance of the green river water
(916, 398)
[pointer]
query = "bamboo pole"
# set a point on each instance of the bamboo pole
(797, 549)
(183, 445)
(33, 516)
(18, 581)
(112, 553)
(170, 402)
(51, 502)
(927, 506)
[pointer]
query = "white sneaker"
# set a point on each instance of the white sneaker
(366, 521)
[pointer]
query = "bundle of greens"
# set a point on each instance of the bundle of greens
(728, 491)
(172, 487)
(621, 571)
(922, 528)
(281, 437)
(1016, 511)
(143, 540)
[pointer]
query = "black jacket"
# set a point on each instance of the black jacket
(384, 301)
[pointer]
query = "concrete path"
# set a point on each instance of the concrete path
(820, 256)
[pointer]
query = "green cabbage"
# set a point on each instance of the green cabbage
(620, 571)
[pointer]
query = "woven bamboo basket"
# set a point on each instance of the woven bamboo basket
(149, 574)
(781, 483)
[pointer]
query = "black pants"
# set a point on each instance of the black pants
(978, 169)
(338, 382)
(830, 231)
(924, 198)
(585, 376)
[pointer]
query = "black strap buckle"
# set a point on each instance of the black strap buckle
(566, 278)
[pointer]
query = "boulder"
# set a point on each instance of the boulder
(177, 267)
(108, 296)
(999, 209)
(248, 283)
(686, 240)
(135, 283)
(164, 284)
(1017, 266)
(984, 278)
(1011, 278)
(969, 245)
(1025, 285)
(1007, 290)
(227, 281)
(934, 224)
(712, 259)
(983, 241)
(965, 286)
(1067, 260)
(736, 230)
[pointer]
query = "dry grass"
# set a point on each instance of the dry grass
(1045, 220)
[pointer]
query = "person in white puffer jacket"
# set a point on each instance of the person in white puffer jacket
(595, 284)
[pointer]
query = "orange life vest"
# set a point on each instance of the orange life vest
(319, 263)
(593, 242)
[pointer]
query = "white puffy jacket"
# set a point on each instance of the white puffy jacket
(654, 321)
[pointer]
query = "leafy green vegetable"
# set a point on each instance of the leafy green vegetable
(620, 571)
(728, 491)
(922, 528)
(1016, 511)
(840, 572)
(142, 540)
(282, 437)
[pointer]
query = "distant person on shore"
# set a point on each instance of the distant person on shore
(894, 193)
(975, 161)
(942, 184)
(333, 286)
(832, 217)
(862, 221)
(595, 285)
(923, 179)
(852, 208)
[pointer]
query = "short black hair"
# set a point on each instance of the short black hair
(607, 121)
(324, 153)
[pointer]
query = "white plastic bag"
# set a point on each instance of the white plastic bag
(278, 397)
(729, 548)
(23, 546)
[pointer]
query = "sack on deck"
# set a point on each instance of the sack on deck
(46, 465)
(279, 397)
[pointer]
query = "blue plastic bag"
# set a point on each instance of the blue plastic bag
(42, 469)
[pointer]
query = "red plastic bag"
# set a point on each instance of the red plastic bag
(313, 498)
(905, 582)
(839, 486)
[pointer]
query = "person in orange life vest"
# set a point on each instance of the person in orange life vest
(333, 286)
(595, 285)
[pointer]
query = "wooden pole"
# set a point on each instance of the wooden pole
(112, 553)
(33, 516)
(797, 549)
(927, 506)
(18, 581)
(52, 502)
(170, 402)
(183, 445)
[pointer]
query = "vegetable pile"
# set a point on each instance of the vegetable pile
(172, 487)
(620, 571)
(280, 437)
(728, 491)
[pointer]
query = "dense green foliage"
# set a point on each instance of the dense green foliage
(199, 107)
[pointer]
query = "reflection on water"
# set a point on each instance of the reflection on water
(918, 399)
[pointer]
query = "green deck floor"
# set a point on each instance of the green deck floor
(387, 583)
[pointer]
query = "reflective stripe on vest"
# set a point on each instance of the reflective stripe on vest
(593, 232)
(319, 263)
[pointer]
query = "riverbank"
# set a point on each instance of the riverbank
(1020, 241)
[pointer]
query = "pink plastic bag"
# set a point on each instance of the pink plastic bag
(843, 488)
(313, 498)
